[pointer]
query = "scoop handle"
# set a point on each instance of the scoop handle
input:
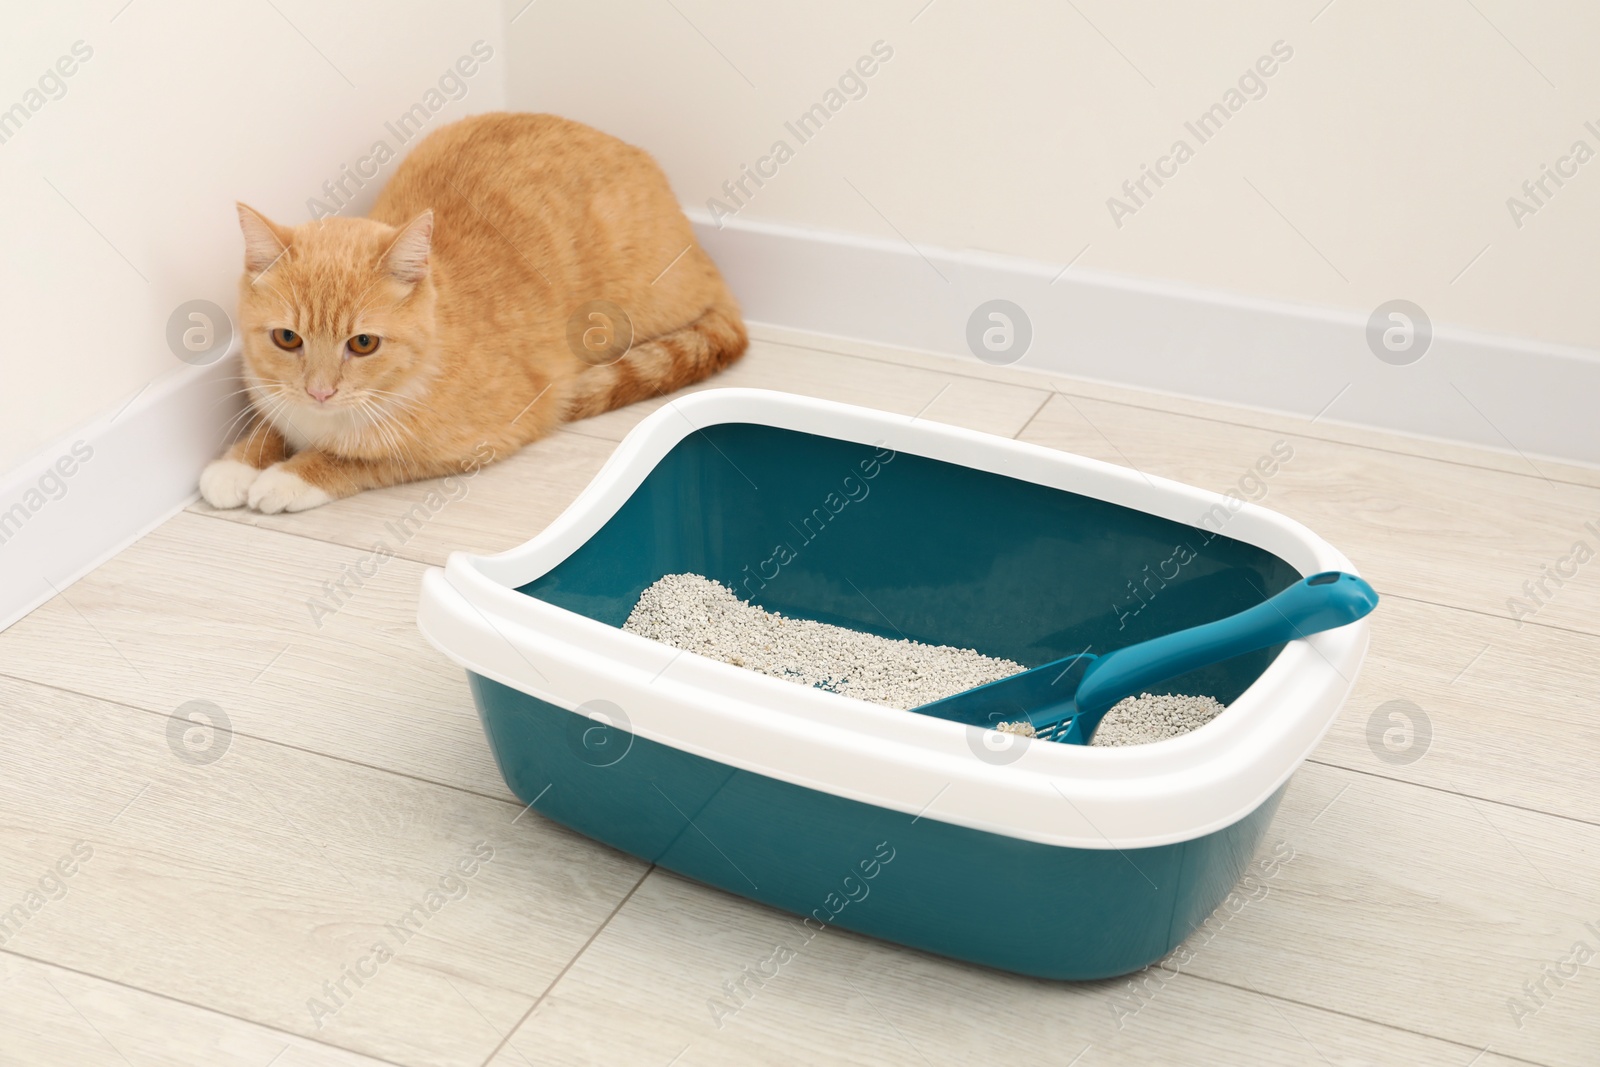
(1320, 602)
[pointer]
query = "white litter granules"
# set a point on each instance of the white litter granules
(1145, 718)
(1141, 720)
(700, 615)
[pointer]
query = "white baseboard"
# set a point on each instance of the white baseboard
(1497, 392)
(87, 496)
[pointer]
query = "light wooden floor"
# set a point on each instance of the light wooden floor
(226, 884)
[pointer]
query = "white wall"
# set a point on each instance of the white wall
(1376, 166)
(116, 199)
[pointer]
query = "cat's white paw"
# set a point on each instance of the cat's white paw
(225, 483)
(277, 489)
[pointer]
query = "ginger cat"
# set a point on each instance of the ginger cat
(457, 321)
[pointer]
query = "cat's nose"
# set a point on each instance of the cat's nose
(319, 393)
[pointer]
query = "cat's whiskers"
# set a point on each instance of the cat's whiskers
(392, 402)
(398, 446)
(392, 430)
(382, 431)
(274, 406)
(248, 407)
(237, 392)
(363, 422)
(247, 379)
(394, 407)
(388, 397)
(249, 410)
(370, 422)
(375, 391)
(233, 423)
(255, 386)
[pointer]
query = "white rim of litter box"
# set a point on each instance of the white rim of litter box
(1054, 794)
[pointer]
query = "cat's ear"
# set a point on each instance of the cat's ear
(264, 240)
(407, 258)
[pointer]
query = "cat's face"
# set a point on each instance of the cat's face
(336, 317)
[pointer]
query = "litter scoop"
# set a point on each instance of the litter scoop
(1064, 700)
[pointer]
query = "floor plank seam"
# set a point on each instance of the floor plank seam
(1581, 821)
(222, 516)
(1208, 418)
(508, 799)
(509, 1034)
(1465, 1045)
(572, 428)
(1042, 405)
(1491, 615)
(199, 1007)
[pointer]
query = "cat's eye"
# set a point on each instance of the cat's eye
(287, 340)
(363, 344)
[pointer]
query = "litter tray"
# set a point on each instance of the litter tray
(1053, 860)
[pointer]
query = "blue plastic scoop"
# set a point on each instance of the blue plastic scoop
(1064, 700)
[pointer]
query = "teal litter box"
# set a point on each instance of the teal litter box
(1052, 860)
